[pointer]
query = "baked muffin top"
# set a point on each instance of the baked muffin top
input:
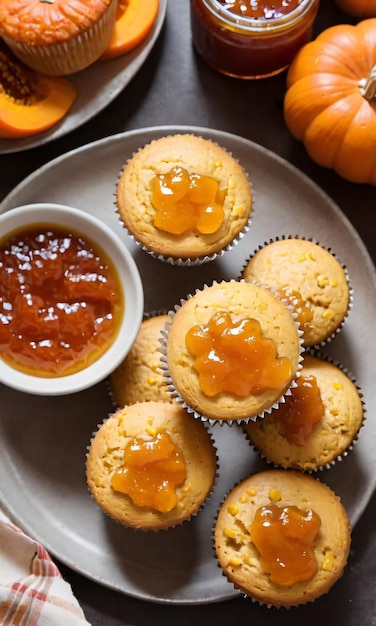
(42, 23)
(125, 441)
(317, 424)
(232, 350)
(299, 554)
(312, 276)
(139, 377)
(196, 174)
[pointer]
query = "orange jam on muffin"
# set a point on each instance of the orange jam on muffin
(284, 538)
(302, 308)
(152, 468)
(301, 410)
(187, 202)
(223, 348)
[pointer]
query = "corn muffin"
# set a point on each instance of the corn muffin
(312, 278)
(184, 199)
(151, 465)
(139, 377)
(57, 37)
(318, 423)
(282, 537)
(231, 351)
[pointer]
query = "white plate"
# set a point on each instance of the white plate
(97, 86)
(43, 441)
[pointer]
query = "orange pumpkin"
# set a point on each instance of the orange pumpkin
(330, 102)
(29, 102)
(134, 20)
(358, 8)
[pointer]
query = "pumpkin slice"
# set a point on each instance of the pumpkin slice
(135, 19)
(30, 102)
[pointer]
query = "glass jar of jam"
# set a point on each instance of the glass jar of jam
(251, 38)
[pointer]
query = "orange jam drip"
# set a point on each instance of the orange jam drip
(260, 8)
(304, 314)
(301, 410)
(234, 357)
(61, 301)
(284, 538)
(187, 202)
(153, 467)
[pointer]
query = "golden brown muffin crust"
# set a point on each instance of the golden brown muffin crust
(331, 436)
(43, 23)
(106, 455)
(198, 156)
(241, 300)
(239, 557)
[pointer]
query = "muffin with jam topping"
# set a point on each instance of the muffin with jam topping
(317, 425)
(151, 466)
(139, 377)
(311, 278)
(231, 352)
(282, 538)
(57, 37)
(184, 199)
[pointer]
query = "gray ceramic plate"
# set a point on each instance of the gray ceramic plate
(97, 86)
(43, 441)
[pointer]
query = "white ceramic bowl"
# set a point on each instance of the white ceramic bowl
(112, 245)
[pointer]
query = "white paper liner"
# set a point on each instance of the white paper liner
(330, 338)
(319, 355)
(153, 530)
(201, 416)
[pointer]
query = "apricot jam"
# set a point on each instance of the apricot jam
(187, 202)
(223, 348)
(61, 301)
(284, 538)
(252, 38)
(153, 467)
(301, 410)
(304, 314)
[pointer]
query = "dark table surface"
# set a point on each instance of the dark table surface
(175, 87)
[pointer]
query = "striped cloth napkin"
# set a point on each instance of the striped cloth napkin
(32, 590)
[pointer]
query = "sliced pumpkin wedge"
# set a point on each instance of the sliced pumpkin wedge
(30, 102)
(134, 20)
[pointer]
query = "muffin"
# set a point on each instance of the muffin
(184, 199)
(57, 37)
(151, 466)
(231, 351)
(139, 377)
(282, 537)
(317, 425)
(311, 277)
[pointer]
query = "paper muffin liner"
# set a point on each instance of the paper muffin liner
(71, 55)
(194, 260)
(328, 249)
(114, 402)
(178, 523)
(199, 415)
(339, 457)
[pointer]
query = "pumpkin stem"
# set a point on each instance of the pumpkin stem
(367, 86)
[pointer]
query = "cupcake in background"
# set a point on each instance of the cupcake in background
(231, 352)
(57, 37)
(139, 377)
(184, 199)
(282, 538)
(151, 466)
(312, 280)
(317, 425)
